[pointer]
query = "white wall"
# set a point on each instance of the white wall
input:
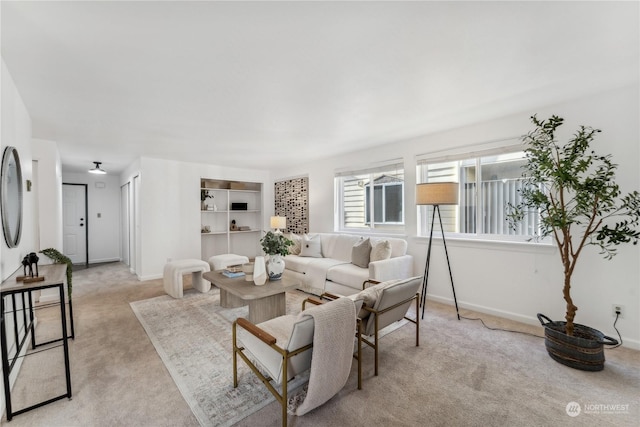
(16, 132)
(170, 208)
(49, 190)
(15, 124)
(104, 231)
(515, 280)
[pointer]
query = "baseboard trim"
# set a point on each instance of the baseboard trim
(151, 277)
(529, 320)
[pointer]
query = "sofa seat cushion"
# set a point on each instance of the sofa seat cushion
(348, 275)
(297, 263)
(291, 332)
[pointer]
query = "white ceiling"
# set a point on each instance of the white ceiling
(255, 84)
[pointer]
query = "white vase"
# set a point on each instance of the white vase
(259, 271)
(275, 267)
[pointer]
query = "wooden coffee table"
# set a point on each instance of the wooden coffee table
(265, 302)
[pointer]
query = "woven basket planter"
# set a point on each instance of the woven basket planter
(584, 350)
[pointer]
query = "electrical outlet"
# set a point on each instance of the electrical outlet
(617, 308)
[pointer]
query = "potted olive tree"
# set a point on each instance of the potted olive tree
(276, 245)
(579, 204)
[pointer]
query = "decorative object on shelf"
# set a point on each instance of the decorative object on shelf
(11, 192)
(276, 245)
(278, 223)
(205, 229)
(239, 206)
(247, 268)
(259, 271)
(204, 195)
(30, 276)
(233, 226)
(436, 194)
(33, 259)
(573, 191)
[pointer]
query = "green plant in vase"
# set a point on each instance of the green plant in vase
(276, 245)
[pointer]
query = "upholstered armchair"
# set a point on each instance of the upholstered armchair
(385, 303)
(280, 349)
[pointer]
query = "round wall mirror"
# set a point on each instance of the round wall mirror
(11, 193)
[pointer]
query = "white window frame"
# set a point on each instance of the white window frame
(473, 154)
(395, 165)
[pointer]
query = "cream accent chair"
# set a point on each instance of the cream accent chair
(385, 303)
(278, 350)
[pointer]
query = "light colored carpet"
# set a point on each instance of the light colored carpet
(192, 335)
(461, 375)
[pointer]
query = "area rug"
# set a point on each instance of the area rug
(192, 335)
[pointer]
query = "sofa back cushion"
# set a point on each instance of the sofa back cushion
(338, 246)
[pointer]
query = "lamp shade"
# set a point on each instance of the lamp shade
(437, 193)
(279, 222)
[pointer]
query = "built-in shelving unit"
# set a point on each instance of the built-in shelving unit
(230, 201)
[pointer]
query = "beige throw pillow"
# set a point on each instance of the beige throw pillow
(311, 246)
(297, 243)
(360, 253)
(381, 250)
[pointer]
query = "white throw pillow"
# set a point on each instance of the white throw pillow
(380, 250)
(311, 246)
(360, 253)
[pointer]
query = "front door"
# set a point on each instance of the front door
(74, 216)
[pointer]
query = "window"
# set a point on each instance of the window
(370, 193)
(488, 183)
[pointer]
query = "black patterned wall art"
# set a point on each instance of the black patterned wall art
(292, 201)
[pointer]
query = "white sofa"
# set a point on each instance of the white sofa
(334, 271)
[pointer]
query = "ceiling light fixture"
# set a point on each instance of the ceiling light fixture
(97, 169)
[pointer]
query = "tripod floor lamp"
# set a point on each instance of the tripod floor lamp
(436, 194)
